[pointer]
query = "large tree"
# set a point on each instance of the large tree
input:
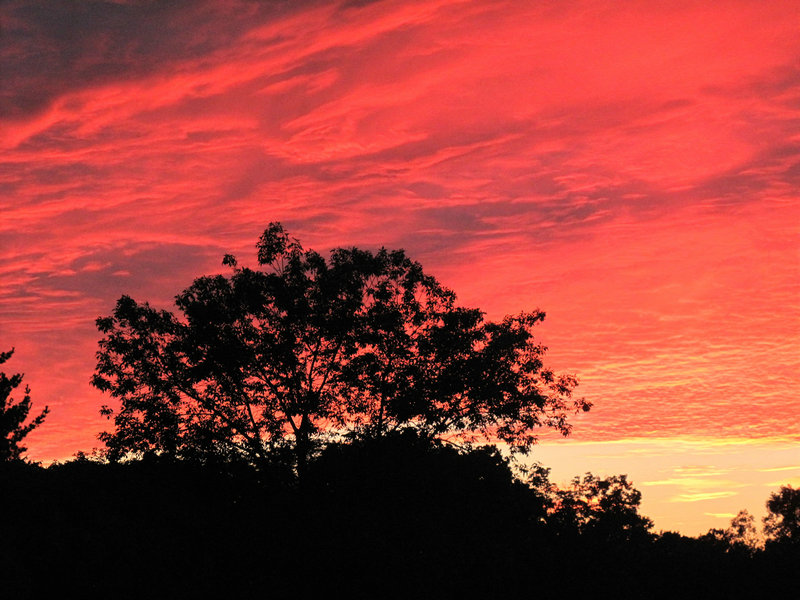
(13, 414)
(359, 344)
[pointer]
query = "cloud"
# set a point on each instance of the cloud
(774, 469)
(631, 169)
(702, 496)
(789, 481)
(720, 515)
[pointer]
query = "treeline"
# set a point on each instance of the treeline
(396, 518)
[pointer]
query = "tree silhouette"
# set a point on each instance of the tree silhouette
(782, 523)
(604, 508)
(360, 344)
(13, 415)
(740, 536)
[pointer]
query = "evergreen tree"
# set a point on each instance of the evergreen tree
(13, 415)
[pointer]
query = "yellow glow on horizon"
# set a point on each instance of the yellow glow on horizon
(689, 484)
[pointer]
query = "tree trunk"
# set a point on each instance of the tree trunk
(302, 447)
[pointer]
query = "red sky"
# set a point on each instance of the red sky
(630, 168)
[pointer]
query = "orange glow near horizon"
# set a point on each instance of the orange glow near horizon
(631, 170)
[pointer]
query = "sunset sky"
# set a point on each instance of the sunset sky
(631, 168)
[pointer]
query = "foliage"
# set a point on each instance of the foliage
(266, 361)
(603, 508)
(782, 523)
(13, 415)
(740, 536)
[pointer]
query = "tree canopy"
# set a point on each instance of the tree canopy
(740, 536)
(13, 415)
(359, 344)
(605, 508)
(782, 523)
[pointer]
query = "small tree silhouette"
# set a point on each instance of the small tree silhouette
(741, 536)
(604, 508)
(13, 415)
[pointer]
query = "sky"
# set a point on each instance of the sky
(631, 168)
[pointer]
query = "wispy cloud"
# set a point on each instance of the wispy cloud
(702, 496)
(720, 515)
(774, 469)
(790, 481)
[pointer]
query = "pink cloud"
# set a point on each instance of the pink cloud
(632, 170)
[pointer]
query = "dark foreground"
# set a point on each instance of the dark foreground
(365, 522)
